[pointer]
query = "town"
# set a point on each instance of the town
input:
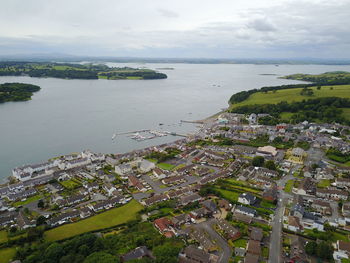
(236, 191)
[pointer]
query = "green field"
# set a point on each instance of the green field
(293, 95)
(229, 195)
(7, 254)
(165, 166)
(113, 217)
(289, 186)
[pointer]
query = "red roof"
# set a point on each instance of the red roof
(162, 223)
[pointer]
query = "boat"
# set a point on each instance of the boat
(114, 136)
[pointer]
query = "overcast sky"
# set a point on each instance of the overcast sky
(177, 28)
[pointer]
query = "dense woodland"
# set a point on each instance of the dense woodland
(75, 71)
(17, 91)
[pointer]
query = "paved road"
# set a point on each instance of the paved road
(277, 221)
(226, 251)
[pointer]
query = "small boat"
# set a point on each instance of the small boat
(160, 124)
(114, 136)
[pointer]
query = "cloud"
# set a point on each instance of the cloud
(167, 13)
(259, 28)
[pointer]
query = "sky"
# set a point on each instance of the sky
(177, 28)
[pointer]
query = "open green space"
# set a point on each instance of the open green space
(28, 200)
(289, 186)
(70, 184)
(324, 183)
(293, 95)
(7, 254)
(112, 217)
(166, 166)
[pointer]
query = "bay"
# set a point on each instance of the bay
(68, 116)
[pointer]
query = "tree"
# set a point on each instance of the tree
(166, 253)
(40, 220)
(270, 165)
(258, 161)
(229, 216)
(53, 253)
(310, 248)
(318, 87)
(101, 257)
(324, 250)
(41, 203)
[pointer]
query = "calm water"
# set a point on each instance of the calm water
(72, 115)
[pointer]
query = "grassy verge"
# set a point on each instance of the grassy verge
(289, 186)
(115, 216)
(28, 200)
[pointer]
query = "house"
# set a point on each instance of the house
(342, 182)
(194, 255)
(165, 226)
(346, 210)
(146, 166)
(181, 219)
(230, 231)
(158, 173)
(344, 247)
(245, 210)
(306, 187)
(239, 251)
(186, 199)
(322, 207)
(202, 238)
(200, 213)
(294, 224)
(253, 247)
(85, 212)
(110, 189)
(247, 199)
(251, 258)
(222, 203)
(210, 205)
(23, 222)
(298, 153)
(75, 199)
(267, 151)
(332, 194)
(123, 169)
(133, 181)
(256, 234)
(270, 194)
(177, 179)
(137, 253)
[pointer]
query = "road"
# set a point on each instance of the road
(277, 221)
(226, 251)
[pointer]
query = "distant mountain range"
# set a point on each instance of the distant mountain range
(58, 57)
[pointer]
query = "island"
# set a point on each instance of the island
(17, 91)
(326, 99)
(76, 71)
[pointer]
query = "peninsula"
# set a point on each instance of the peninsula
(76, 71)
(17, 91)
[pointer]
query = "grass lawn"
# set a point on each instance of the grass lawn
(28, 200)
(346, 113)
(3, 236)
(286, 115)
(265, 252)
(240, 243)
(324, 183)
(267, 204)
(152, 160)
(7, 254)
(112, 217)
(166, 166)
(291, 95)
(289, 186)
(70, 184)
(229, 195)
